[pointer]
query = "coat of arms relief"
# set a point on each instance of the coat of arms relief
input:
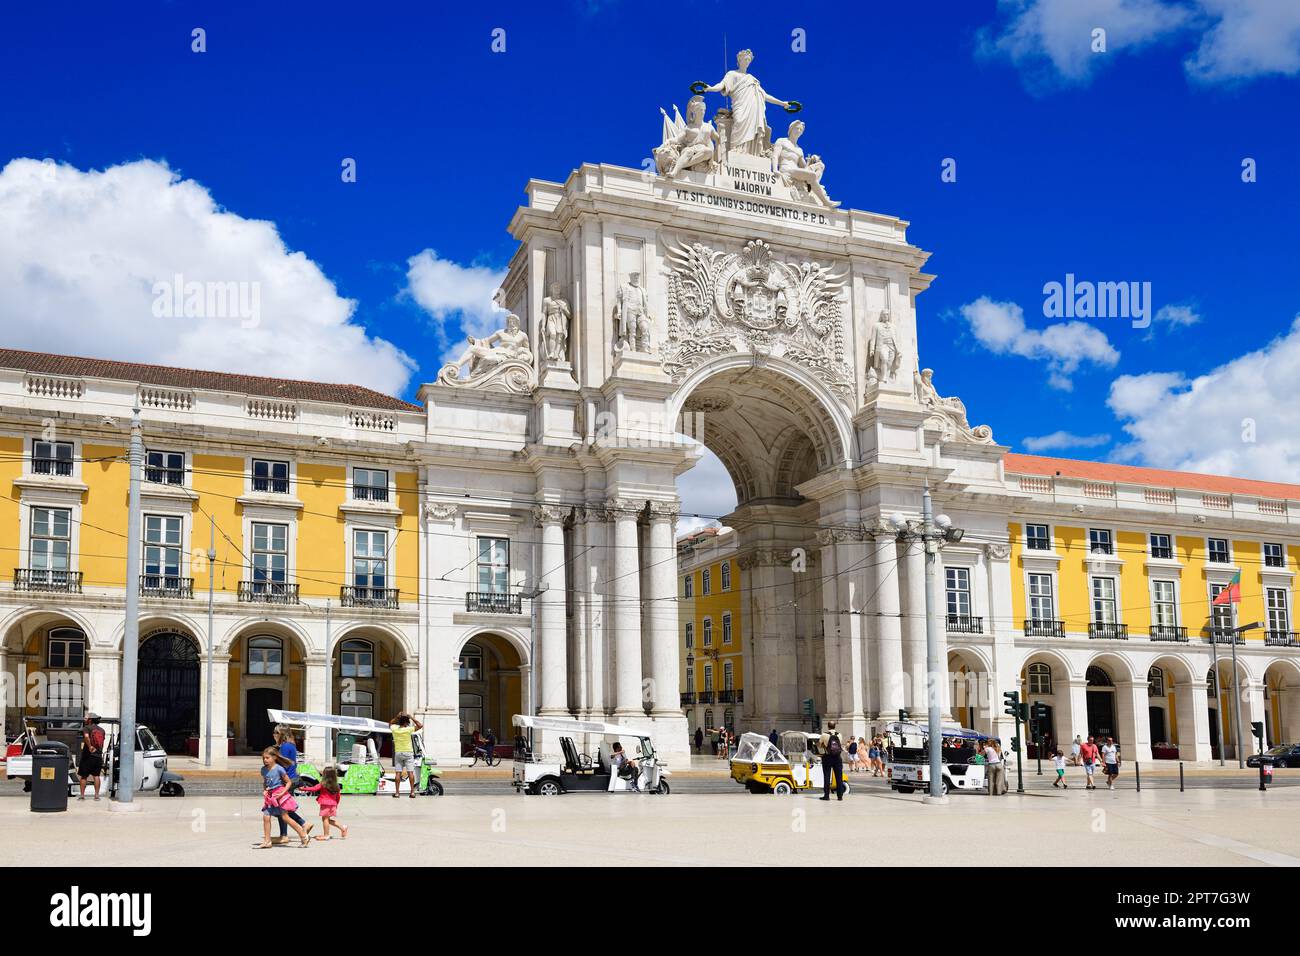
(720, 302)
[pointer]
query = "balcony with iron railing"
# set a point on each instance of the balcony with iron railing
(1168, 632)
(965, 624)
(166, 586)
(706, 697)
(1107, 631)
(1035, 627)
(494, 602)
(731, 697)
(268, 592)
(60, 467)
(688, 698)
(361, 596)
(370, 492)
(45, 579)
(1216, 635)
(1274, 638)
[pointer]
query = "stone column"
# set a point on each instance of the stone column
(625, 591)
(410, 684)
(220, 705)
(851, 561)
(579, 695)
(998, 623)
(552, 692)
(915, 657)
(832, 621)
(594, 581)
(104, 691)
(1073, 704)
(1192, 703)
(661, 607)
(1134, 720)
(889, 630)
(315, 680)
(1253, 709)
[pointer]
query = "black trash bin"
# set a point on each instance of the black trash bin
(50, 778)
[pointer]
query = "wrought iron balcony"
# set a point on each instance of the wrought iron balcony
(351, 596)
(61, 467)
(369, 493)
(1035, 627)
(493, 602)
(1281, 639)
(728, 697)
(965, 624)
(1108, 631)
(1216, 635)
(1168, 632)
(44, 579)
(268, 592)
(166, 586)
(688, 698)
(706, 697)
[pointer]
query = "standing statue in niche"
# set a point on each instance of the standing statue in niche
(802, 175)
(749, 130)
(632, 316)
(883, 356)
(555, 325)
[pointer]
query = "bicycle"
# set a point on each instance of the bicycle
(486, 755)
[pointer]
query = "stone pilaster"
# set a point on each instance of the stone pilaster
(553, 691)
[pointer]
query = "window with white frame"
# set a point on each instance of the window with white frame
(726, 628)
(708, 678)
(726, 575)
(1156, 682)
(164, 467)
(494, 565)
(1161, 546)
(727, 676)
(1038, 537)
(1217, 551)
(1099, 541)
(50, 546)
(690, 635)
(270, 555)
(66, 649)
(708, 632)
(369, 484)
(1279, 617)
(1273, 556)
(705, 582)
(1040, 679)
(1042, 607)
(358, 703)
(471, 663)
(162, 552)
(266, 656)
(688, 586)
(958, 585)
(1164, 604)
(1222, 618)
(369, 559)
(690, 679)
(271, 476)
(52, 458)
(357, 659)
(1104, 609)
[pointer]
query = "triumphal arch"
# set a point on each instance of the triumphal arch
(722, 295)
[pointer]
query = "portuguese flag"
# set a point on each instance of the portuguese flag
(1232, 593)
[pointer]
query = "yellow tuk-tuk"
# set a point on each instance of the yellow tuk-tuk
(763, 767)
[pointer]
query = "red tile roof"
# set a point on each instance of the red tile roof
(44, 363)
(1157, 477)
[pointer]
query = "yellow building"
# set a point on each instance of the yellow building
(711, 632)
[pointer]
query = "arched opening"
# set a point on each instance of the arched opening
(267, 670)
(1282, 702)
(1044, 681)
(771, 429)
(46, 658)
(971, 691)
(1170, 700)
(167, 687)
(490, 689)
(1102, 711)
(368, 677)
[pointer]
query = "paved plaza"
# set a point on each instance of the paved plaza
(1218, 821)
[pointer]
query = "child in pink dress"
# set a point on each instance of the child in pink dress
(328, 794)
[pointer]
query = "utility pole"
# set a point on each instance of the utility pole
(212, 574)
(1218, 703)
(131, 634)
(1236, 692)
(935, 669)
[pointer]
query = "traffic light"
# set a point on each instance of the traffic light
(1011, 703)
(807, 706)
(903, 716)
(1015, 744)
(1024, 712)
(1040, 712)
(1257, 728)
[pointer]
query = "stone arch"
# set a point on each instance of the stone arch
(1119, 666)
(396, 634)
(11, 623)
(1171, 716)
(512, 635)
(155, 619)
(1282, 703)
(1058, 694)
(972, 689)
(241, 627)
(254, 685)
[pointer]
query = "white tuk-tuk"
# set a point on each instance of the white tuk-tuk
(356, 753)
(150, 758)
(549, 775)
(909, 763)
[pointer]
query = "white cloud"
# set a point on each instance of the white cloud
(1238, 419)
(1052, 39)
(1177, 315)
(1250, 38)
(81, 252)
(1063, 439)
(459, 297)
(1064, 346)
(707, 489)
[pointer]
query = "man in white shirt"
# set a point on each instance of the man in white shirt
(1110, 757)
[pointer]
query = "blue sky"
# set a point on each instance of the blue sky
(1123, 165)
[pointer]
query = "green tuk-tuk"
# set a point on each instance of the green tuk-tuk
(356, 753)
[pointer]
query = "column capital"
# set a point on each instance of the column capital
(829, 536)
(624, 508)
(440, 510)
(665, 510)
(549, 514)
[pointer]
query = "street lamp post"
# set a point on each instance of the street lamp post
(1236, 692)
(207, 723)
(131, 631)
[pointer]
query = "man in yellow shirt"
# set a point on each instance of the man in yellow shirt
(403, 726)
